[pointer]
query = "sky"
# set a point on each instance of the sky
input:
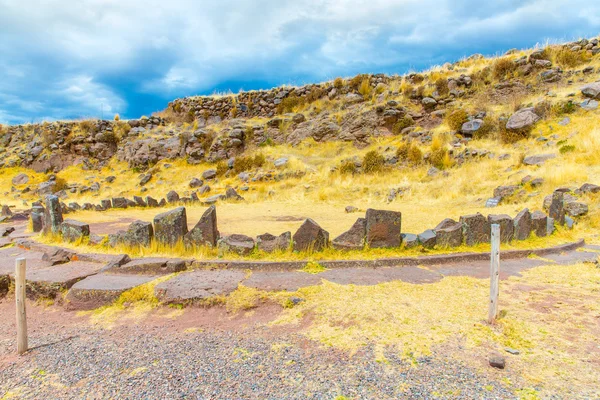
(95, 58)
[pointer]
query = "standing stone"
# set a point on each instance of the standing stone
(171, 226)
(522, 224)
(428, 239)
(205, 232)
(539, 223)
(37, 218)
(74, 230)
(139, 233)
(383, 228)
(507, 227)
(449, 236)
(172, 197)
(106, 204)
(476, 229)
(52, 215)
(139, 201)
(119, 202)
(310, 237)
(239, 244)
(270, 243)
(446, 223)
(151, 201)
(352, 239)
(557, 207)
(6, 211)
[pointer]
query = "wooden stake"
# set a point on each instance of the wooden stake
(20, 268)
(494, 273)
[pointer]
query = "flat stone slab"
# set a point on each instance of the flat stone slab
(151, 266)
(101, 289)
(197, 285)
(285, 280)
(47, 282)
(374, 276)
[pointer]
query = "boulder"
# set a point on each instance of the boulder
(503, 192)
(522, 119)
(589, 188)
(139, 233)
(72, 230)
(20, 179)
(383, 228)
(591, 90)
(172, 197)
(310, 237)
(476, 229)
(522, 223)
(196, 183)
(151, 201)
(538, 159)
(52, 215)
(576, 209)
(446, 223)
(450, 235)
(428, 238)
(205, 232)
(557, 208)
(231, 194)
(470, 127)
(239, 244)
(270, 243)
(170, 227)
(139, 201)
(352, 239)
(106, 204)
(539, 223)
(507, 226)
(209, 174)
(48, 187)
(119, 202)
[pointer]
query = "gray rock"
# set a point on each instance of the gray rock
(310, 237)
(576, 209)
(410, 240)
(209, 174)
(37, 218)
(270, 243)
(498, 362)
(196, 183)
(591, 90)
(446, 223)
(20, 179)
(48, 187)
(6, 212)
(106, 204)
(151, 202)
(239, 244)
(470, 127)
(557, 208)
(550, 226)
(205, 233)
(538, 159)
(72, 230)
(476, 229)
(231, 194)
(522, 224)
(139, 233)
(280, 162)
(354, 238)
(119, 202)
(139, 201)
(172, 197)
(170, 227)
(569, 222)
(522, 119)
(383, 228)
(507, 227)
(351, 209)
(589, 188)
(589, 104)
(427, 238)
(53, 216)
(450, 235)
(539, 224)
(503, 192)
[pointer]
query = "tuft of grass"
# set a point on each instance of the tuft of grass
(503, 68)
(456, 119)
(373, 162)
(314, 268)
(243, 298)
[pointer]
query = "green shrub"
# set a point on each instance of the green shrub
(365, 87)
(456, 119)
(570, 59)
(348, 167)
(503, 68)
(441, 85)
(221, 167)
(409, 153)
(403, 122)
(290, 103)
(315, 94)
(246, 163)
(373, 162)
(566, 149)
(511, 136)
(563, 107)
(338, 83)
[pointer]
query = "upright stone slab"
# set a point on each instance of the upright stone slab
(522, 224)
(352, 239)
(383, 228)
(106, 204)
(151, 201)
(270, 243)
(119, 202)
(72, 230)
(507, 227)
(37, 218)
(205, 232)
(53, 216)
(428, 239)
(171, 226)
(451, 235)
(539, 223)
(557, 207)
(476, 229)
(139, 201)
(239, 244)
(139, 233)
(310, 237)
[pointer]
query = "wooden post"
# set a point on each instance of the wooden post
(20, 299)
(494, 273)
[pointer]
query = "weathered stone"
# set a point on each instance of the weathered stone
(476, 229)
(119, 202)
(52, 215)
(239, 244)
(470, 127)
(151, 202)
(538, 159)
(172, 197)
(591, 90)
(139, 233)
(231, 194)
(522, 223)
(576, 209)
(106, 204)
(507, 226)
(270, 243)
(557, 208)
(410, 240)
(37, 218)
(196, 183)
(72, 230)
(451, 235)
(446, 223)
(171, 226)
(522, 119)
(310, 237)
(498, 362)
(139, 201)
(503, 192)
(428, 238)
(351, 209)
(352, 239)
(5, 231)
(205, 232)
(539, 223)
(383, 228)
(20, 179)
(589, 188)
(209, 174)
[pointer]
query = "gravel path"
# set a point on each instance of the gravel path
(74, 360)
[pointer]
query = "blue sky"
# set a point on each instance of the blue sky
(93, 58)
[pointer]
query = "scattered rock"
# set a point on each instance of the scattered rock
(205, 233)
(383, 228)
(522, 224)
(476, 229)
(53, 216)
(20, 179)
(351, 209)
(538, 159)
(310, 237)
(539, 224)
(270, 243)
(170, 227)
(72, 230)
(196, 183)
(576, 209)
(239, 244)
(498, 362)
(173, 197)
(557, 210)
(209, 174)
(139, 233)
(591, 90)
(354, 238)
(522, 119)
(427, 238)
